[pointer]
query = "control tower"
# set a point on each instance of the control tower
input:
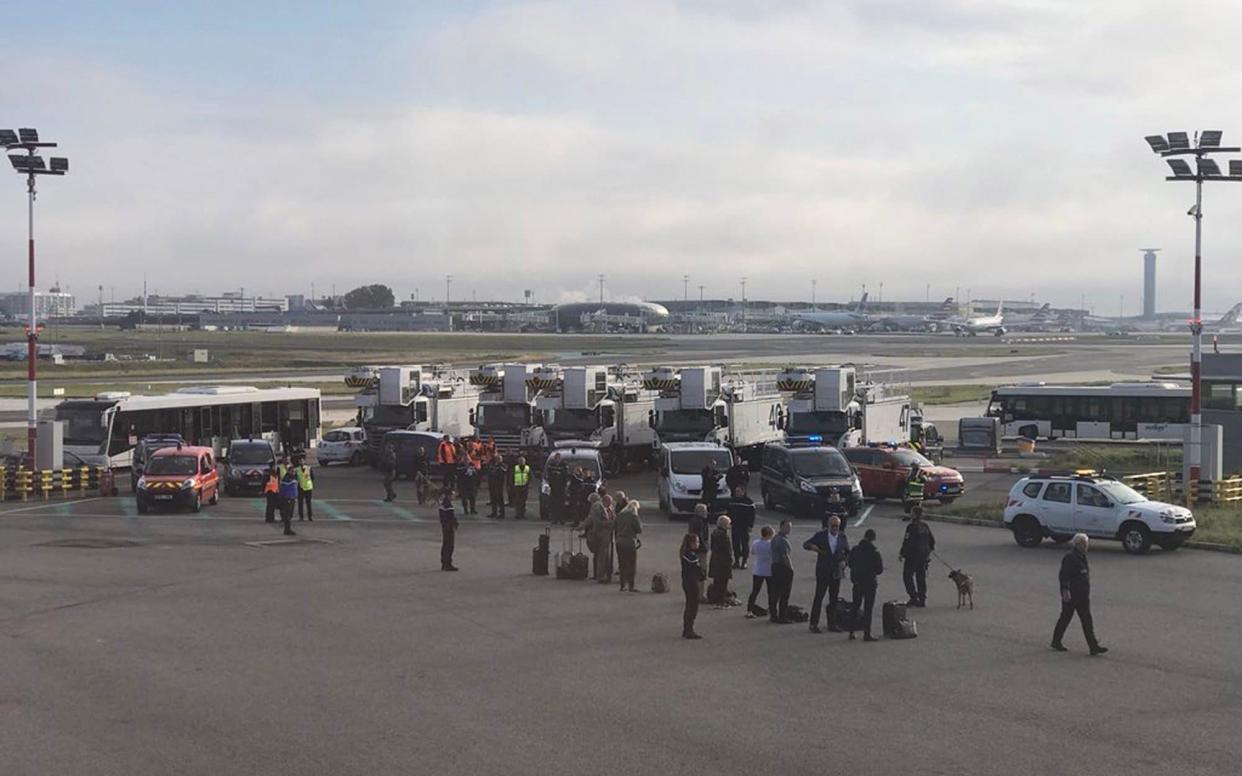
(1149, 282)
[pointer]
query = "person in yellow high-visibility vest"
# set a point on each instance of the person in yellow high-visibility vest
(521, 482)
(306, 487)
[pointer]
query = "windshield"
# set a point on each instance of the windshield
(503, 417)
(1122, 494)
(828, 423)
(693, 461)
(336, 436)
(909, 458)
(172, 464)
(590, 464)
(581, 420)
(250, 454)
(682, 421)
(392, 415)
(821, 463)
(83, 424)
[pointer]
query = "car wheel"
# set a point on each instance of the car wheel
(215, 496)
(947, 501)
(197, 504)
(1027, 531)
(1135, 538)
(142, 507)
(768, 501)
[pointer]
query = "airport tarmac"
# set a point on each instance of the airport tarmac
(187, 644)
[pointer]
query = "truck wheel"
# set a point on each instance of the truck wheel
(1135, 538)
(1027, 531)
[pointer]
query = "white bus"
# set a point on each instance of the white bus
(106, 428)
(1118, 411)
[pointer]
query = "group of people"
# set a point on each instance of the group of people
(569, 490)
(613, 526)
(464, 464)
(288, 483)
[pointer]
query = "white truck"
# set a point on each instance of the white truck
(593, 407)
(701, 404)
(832, 406)
(417, 398)
(504, 411)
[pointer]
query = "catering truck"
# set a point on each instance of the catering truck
(504, 409)
(702, 404)
(833, 406)
(417, 398)
(597, 408)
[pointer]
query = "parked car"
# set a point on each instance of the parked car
(248, 461)
(181, 476)
(884, 471)
(1099, 506)
(343, 445)
(143, 450)
(681, 464)
(573, 457)
(803, 479)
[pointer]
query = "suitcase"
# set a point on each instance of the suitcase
(563, 558)
(539, 555)
(906, 629)
(892, 613)
(579, 565)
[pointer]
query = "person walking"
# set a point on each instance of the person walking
(271, 492)
(496, 486)
(467, 485)
(761, 571)
(448, 530)
(306, 488)
(915, 554)
(831, 548)
(782, 576)
(865, 566)
(628, 528)
(389, 464)
(691, 584)
(711, 483)
(720, 567)
(521, 485)
(1075, 578)
(288, 495)
(741, 511)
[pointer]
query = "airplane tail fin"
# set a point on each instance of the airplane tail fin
(1043, 311)
(1231, 317)
(1000, 308)
(862, 303)
(947, 304)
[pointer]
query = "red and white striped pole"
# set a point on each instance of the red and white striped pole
(1194, 456)
(32, 336)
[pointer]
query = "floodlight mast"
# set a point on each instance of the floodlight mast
(1178, 144)
(27, 140)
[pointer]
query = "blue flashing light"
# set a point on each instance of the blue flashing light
(815, 438)
(944, 488)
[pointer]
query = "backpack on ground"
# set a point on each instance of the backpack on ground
(896, 624)
(659, 583)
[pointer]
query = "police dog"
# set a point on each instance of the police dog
(965, 587)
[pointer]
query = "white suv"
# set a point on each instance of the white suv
(342, 445)
(1100, 507)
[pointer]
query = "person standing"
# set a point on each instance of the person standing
(691, 584)
(271, 492)
(721, 565)
(741, 512)
(446, 457)
(288, 495)
(831, 548)
(915, 554)
(916, 484)
(698, 526)
(865, 566)
(628, 528)
(521, 484)
(421, 474)
(306, 488)
(1075, 578)
(597, 530)
(711, 482)
(737, 476)
(389, 464)
(496, 486)
(782, 576)
(448, 530)
(557, 480)
(761, 571)
(467, 485)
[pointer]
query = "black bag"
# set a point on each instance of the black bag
(839, 616)
(798, 614)
(539, 555)
(892, 613)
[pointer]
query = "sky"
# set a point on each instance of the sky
(933, 146)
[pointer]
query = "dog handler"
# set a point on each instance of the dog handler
(1075, 580)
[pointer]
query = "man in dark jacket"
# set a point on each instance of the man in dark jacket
(720, 567)
(865, 565)
(468, 485)
(916, 550)
(741, 511)
(711, 481)
(782, 576)
(1075, 579)
(738, 476)
(448, 530)
(556, 477)
(496, 486)
(388, 463)
(831, 548)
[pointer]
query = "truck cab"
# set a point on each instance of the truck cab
(680, 485)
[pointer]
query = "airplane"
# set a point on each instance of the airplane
(1228, 323)
(914, 321)
(1040, 320)
(851, 320)
(974, 325)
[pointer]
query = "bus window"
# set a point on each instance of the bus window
(1219, 396)
(270, 421)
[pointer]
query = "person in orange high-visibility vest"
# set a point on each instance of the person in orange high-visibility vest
(446, 456)
(271, 491)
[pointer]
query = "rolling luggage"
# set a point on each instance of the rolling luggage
(539, 555)
(570, 564)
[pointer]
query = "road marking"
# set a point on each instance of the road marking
(863, 517)
(333, 512)
(400, 512)
(48, 504)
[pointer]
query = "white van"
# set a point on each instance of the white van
(681, 473)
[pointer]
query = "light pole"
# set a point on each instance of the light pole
(601, 288)
(685, 288)
(448, 288)
(813, 294)
(30, 165)
(1206, 169)
(743, 304)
